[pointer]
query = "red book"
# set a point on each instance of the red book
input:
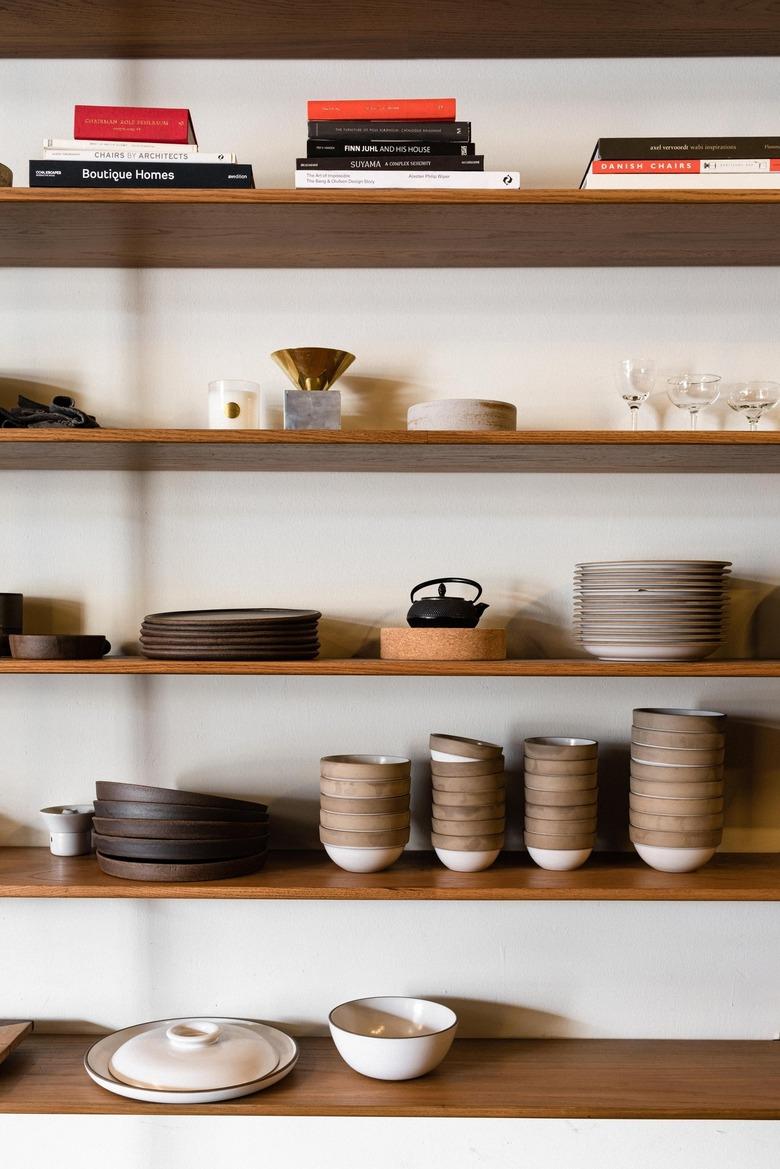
(133, 124)
(427, 109)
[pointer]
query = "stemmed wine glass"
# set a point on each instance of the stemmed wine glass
(694, 393)
(753, 399)
(636, 378)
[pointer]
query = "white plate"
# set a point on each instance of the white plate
(97, 1059)
(680, 564)
(651, 653)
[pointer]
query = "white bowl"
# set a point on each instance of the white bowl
(559, 859)
(467, 862)
(392, 1038)
(674, 860)
(363, 860)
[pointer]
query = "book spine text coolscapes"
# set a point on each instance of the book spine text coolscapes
(100, 144)
(392, 131)
(410, 180)
(406, 109)
(637, 148)
(133, 124)
(685, 166)
(48, 173)
(110, 153)
(318, 148)
(474, 162)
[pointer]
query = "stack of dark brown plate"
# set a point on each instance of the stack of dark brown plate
(163, 834)
(232, 635)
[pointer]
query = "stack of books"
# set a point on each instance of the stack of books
(404, 143)
(134, 146)
(696, 164)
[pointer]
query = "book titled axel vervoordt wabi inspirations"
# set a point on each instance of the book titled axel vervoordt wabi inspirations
(393, 142)
(135, 146)
(704, 164)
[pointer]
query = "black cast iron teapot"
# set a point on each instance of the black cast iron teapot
(443, 612)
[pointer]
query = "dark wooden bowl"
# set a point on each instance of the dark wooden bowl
(48, 647)
(143, 793)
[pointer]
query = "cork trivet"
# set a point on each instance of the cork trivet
(443, 645)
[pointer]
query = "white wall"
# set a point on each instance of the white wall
(97, 552)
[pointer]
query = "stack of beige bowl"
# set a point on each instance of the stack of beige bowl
(676, 802)
(468, 802)
(651, 610)
(364, 810)
(561, 792)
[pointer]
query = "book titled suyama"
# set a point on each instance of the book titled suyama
(47, 173)
(474, 162)
(350, 131)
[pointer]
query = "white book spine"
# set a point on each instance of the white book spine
(154, 148)
(676, 182)
(408, 180)
(132, 154)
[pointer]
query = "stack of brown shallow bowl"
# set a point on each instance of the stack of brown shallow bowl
(651, 610)
(469, 811)
(163, 834)
(561, 792)
(227, 635)
(676, 802)
(364, 810)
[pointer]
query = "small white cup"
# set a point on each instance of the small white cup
(70, 828)
(233, 404)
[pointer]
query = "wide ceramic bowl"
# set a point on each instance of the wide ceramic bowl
(674, 860)
(393, 1038)
(362, 860)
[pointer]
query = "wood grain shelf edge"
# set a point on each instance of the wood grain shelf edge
(417, 876)
(544, 1078)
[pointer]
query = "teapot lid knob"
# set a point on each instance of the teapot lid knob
(442, 589)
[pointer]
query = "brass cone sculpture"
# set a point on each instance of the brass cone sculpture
(313, 369)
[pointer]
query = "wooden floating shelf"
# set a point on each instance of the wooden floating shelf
(386, 229)
(417, 876)
(388, 29)
(450, 452)
(376, 668)
(626, 1079)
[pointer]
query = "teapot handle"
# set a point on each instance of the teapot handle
(441, 581)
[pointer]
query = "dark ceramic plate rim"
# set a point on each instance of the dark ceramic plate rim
(243, 866)
(246, 656)
(106, 845)
(145, 810)
(174, 829)
(201, 617)
(147, 794)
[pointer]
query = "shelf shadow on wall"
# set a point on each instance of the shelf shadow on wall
(752, 752)
(377, 403)
(52, 615)
(482, 1019)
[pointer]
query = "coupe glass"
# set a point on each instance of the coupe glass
(694, 393)
(753, 399)
(636, 378)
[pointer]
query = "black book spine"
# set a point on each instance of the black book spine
(319, 148)
(391, 131)
(440, 162)
(181, 175)
(615, 149)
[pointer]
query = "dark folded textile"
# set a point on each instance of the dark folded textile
(61, 412)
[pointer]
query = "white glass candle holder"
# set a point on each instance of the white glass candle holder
(233, 404)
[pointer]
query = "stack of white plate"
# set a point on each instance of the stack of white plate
(651, 610)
